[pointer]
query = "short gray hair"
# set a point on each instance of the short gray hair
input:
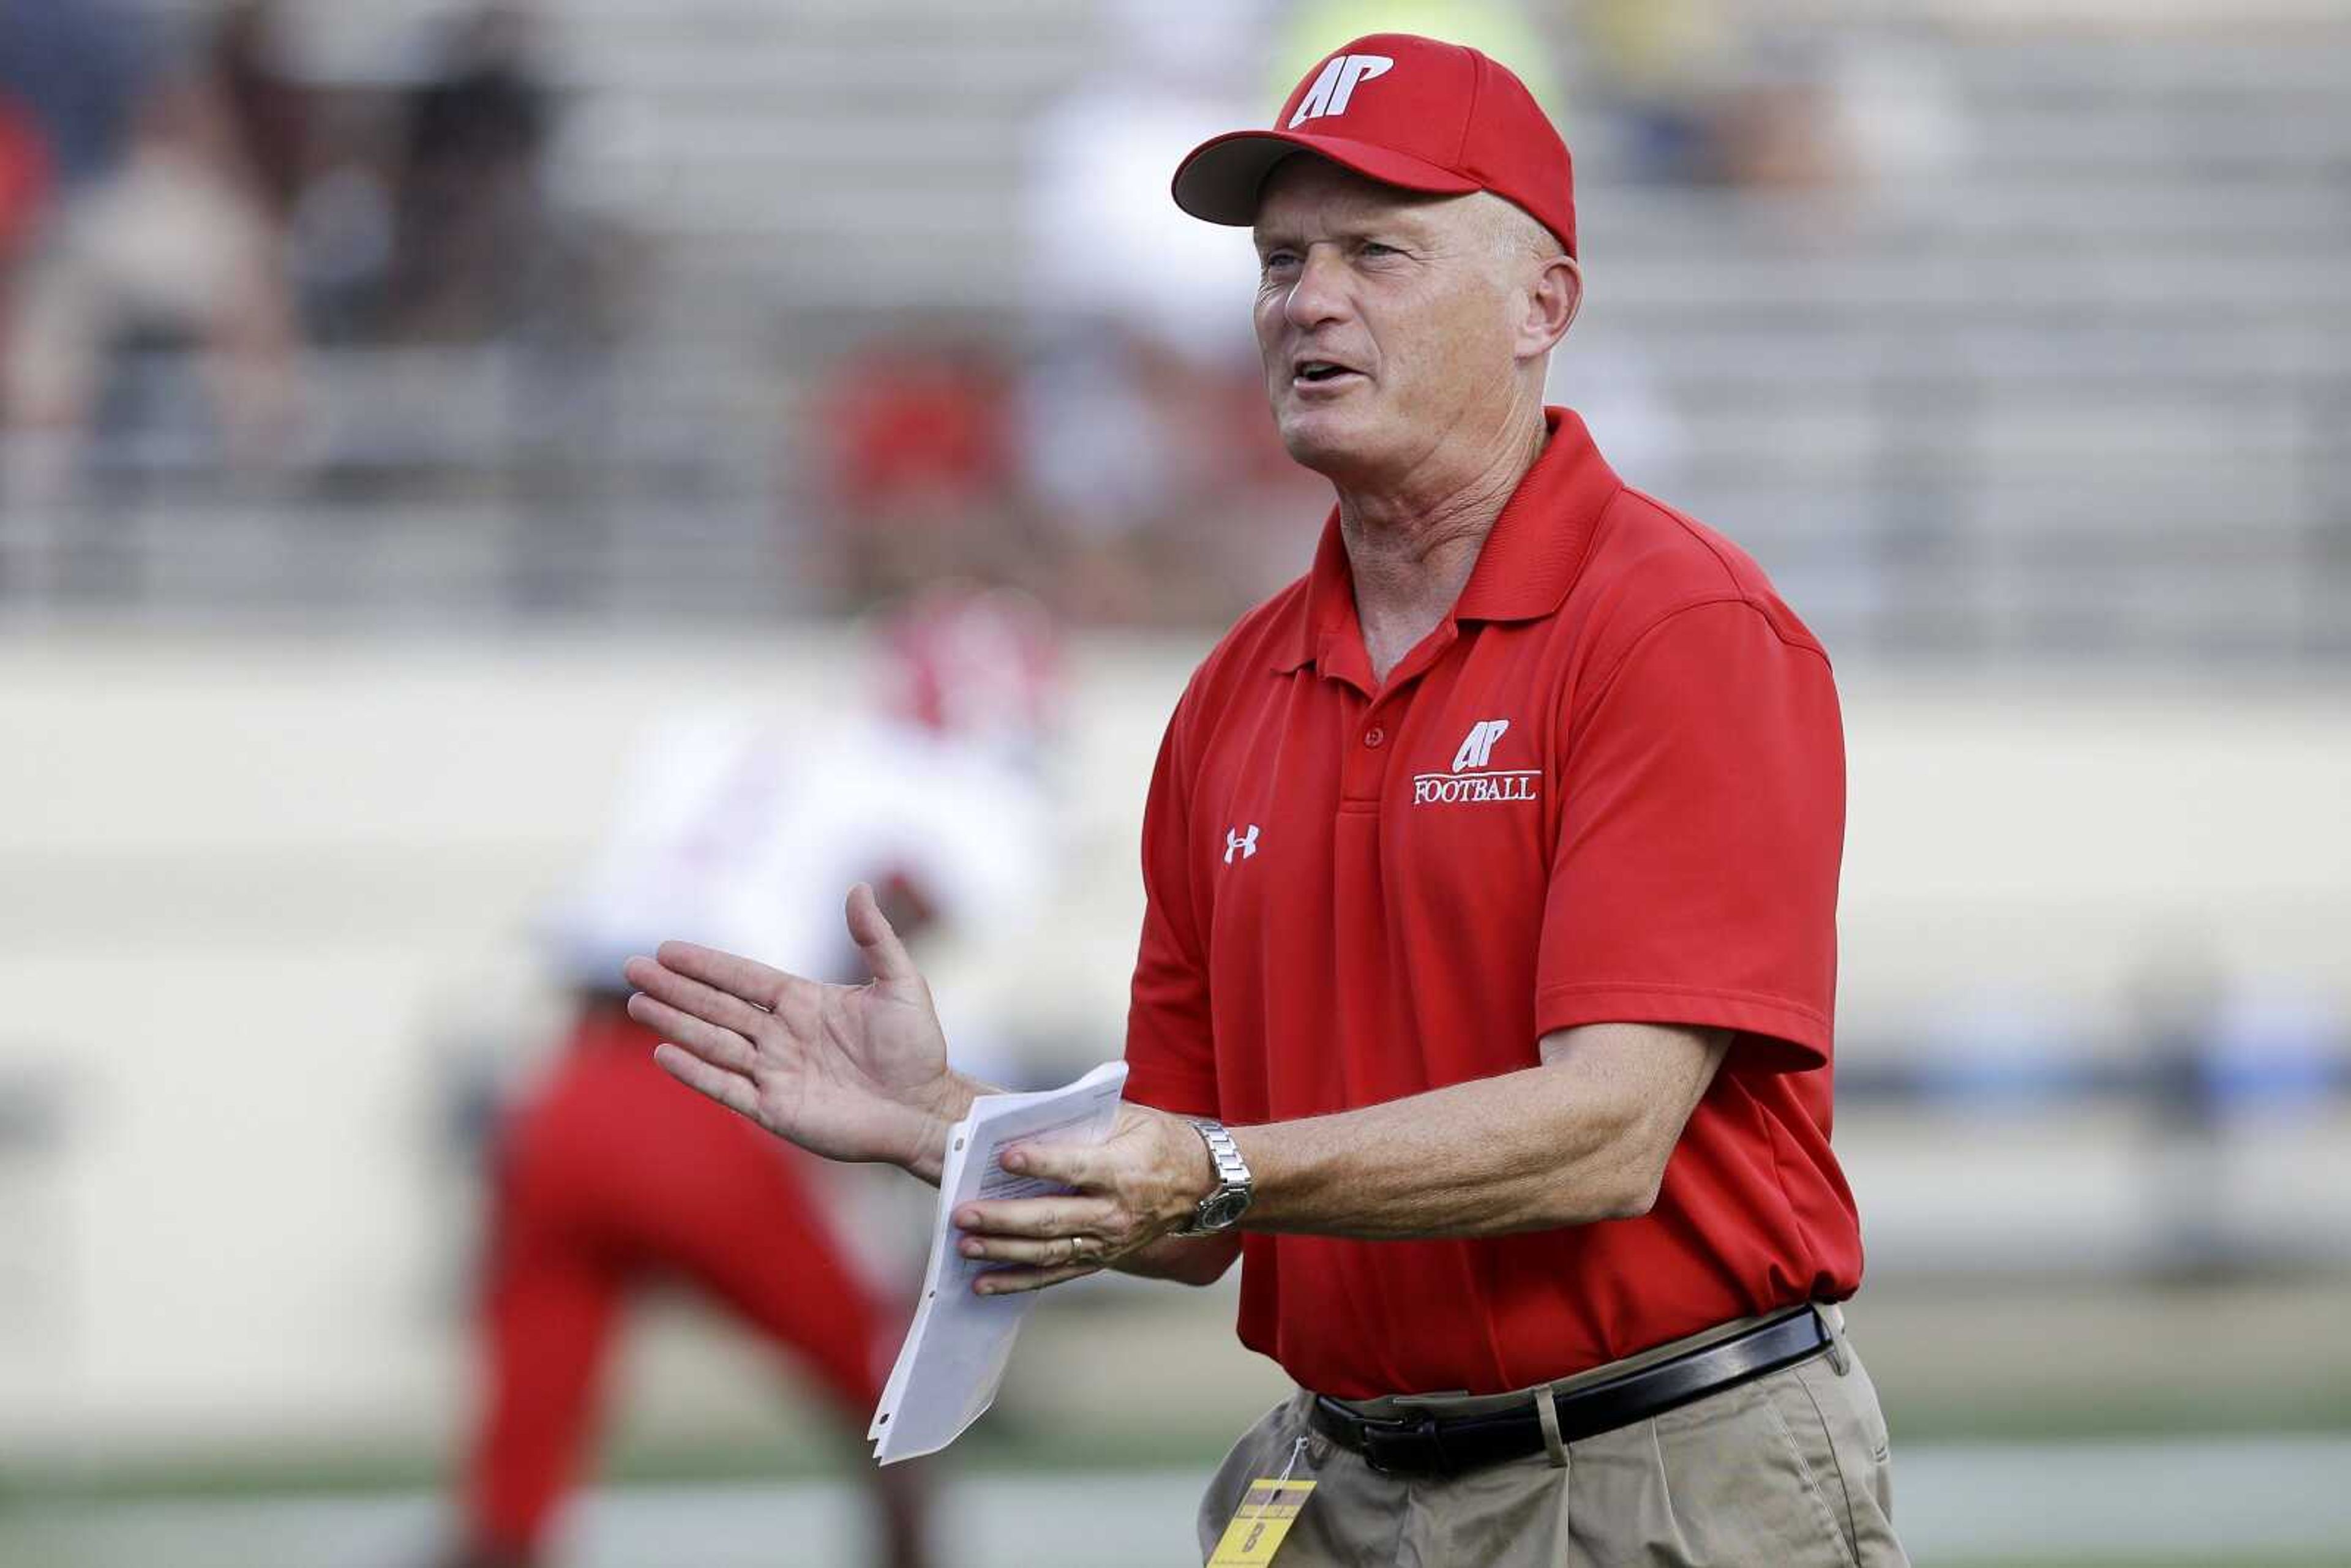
(1515, 233)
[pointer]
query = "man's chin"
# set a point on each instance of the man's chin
(1322, 440)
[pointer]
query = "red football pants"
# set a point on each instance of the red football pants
(612, 1176)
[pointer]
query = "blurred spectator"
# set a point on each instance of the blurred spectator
(155, 322)
(1656, 64)
(1899, 112)
(1145, 440)
(78, 66)
(268, 107)
(916, 448)
(1776, 130)
(23, 186)
(1104, 242)
(23, 174)
(1707, 95)
(472, 214)
(1166, 497)
(340, 239)
(24, 191)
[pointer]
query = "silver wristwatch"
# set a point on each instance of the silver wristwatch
(1221, 1209)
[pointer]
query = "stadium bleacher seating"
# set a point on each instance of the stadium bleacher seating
(2081, 392)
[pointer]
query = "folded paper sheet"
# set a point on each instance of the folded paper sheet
(955, 1355)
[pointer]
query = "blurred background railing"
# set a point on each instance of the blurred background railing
(1992, 342)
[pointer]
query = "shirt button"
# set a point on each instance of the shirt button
(1374, 736)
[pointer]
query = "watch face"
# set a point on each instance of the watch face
(1221, 1209)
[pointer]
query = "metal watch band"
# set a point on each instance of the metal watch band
(1218, 1210)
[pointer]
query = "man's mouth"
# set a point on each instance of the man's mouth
(1320, 373)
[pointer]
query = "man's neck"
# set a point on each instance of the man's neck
(1412, 546)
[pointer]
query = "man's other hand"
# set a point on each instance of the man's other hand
(1135, 1189)
(851, 1072)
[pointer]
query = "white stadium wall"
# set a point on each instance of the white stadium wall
(256, 897)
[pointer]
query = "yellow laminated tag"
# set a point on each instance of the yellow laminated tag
(1267, 1511)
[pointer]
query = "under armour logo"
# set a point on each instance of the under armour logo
(1236, 844)
(1337, 84)
(1478, 748)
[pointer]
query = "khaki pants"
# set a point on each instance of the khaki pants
(1789, 1470)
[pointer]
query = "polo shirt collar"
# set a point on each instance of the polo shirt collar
(1527, 563)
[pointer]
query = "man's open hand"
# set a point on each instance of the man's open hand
(851, 1072)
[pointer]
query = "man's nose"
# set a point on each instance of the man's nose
(1320, 293)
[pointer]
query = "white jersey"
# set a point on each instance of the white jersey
(743, 831)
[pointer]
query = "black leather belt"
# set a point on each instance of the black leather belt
(1422, 1445)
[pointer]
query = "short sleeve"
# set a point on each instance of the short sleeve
(1170, 1047)
(1696, 874)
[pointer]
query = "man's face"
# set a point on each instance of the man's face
(1382, 320)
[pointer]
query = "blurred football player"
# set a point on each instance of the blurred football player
(610, 1176)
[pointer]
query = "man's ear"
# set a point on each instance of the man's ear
(1551, 306)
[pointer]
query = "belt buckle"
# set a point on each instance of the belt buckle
(1388, 1442)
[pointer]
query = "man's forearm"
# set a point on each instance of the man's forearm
(1546, 1146)
(1585, 1136)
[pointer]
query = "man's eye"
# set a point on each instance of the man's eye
(1280, 260)
(1373, 247)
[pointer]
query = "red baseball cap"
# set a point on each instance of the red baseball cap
(1403, 111)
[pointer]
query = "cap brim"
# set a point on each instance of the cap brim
(1218, 180)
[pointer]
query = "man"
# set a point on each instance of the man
(1492, 874)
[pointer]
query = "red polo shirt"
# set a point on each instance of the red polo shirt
(1610, 787)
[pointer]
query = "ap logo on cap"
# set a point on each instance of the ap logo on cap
(1337, 85)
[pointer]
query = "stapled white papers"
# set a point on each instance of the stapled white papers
(955, 1355)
